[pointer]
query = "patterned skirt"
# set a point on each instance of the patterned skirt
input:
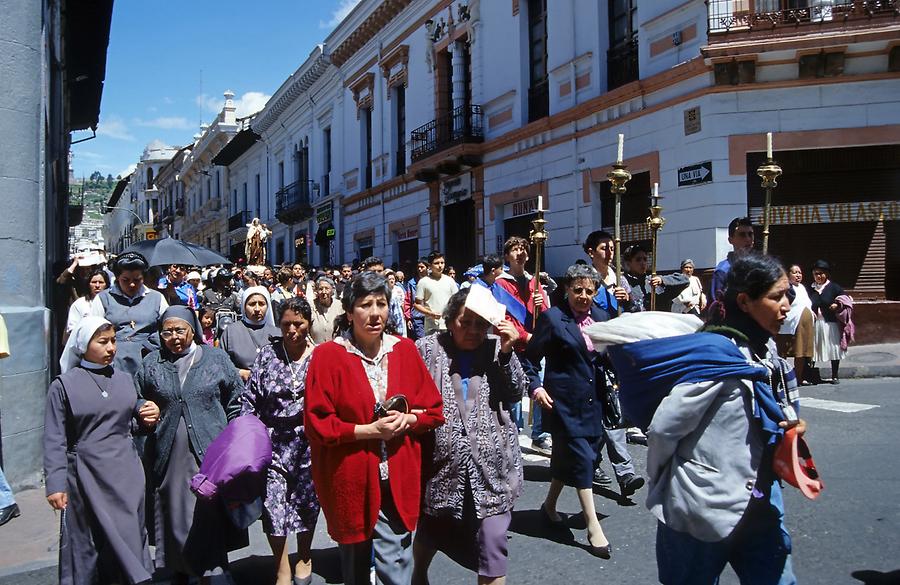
(291, 505)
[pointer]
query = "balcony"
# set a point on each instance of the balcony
(622, 64)
(238, 222)
(462, 125)
(731, 19)
(292, 204)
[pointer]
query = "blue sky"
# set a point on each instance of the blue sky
(157, 51)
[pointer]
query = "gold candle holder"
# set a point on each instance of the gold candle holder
(618, 176)
(538, 237)
(655, 222)
(769, 172)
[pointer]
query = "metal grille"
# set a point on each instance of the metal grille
(747, 15)
(462, 124)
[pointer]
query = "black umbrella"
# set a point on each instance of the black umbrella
(171, 251)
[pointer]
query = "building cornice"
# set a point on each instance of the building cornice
(297, 84)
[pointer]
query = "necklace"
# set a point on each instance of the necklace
(103, 392)
(295, 375)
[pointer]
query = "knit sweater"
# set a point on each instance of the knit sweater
(345, 470)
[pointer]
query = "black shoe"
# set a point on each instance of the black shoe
(603, 552)
(835, 381)
(546, 517)
(8, 513)
(630, 484)
(600, 478)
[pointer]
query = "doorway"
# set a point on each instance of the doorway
(520, 226)
(459, 235)
(408, 255)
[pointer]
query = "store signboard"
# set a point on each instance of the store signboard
(816, 213)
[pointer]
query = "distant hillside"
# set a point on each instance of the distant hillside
(97, 189)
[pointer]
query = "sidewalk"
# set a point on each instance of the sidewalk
(869, 361)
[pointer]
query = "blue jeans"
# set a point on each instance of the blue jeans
(6, 495)
(759, 550)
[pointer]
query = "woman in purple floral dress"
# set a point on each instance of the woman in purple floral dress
(275, 393)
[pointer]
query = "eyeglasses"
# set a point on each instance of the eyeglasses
(580, 289)
(169, 333)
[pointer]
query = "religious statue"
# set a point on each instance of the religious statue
(255, 246)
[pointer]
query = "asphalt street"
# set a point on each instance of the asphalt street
(850, 535)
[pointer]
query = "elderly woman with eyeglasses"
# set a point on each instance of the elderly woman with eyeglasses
(198, 391)
(475, 472)
(570, 394)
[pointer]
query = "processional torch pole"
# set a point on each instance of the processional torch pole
(769, 172)
(538, 236)
(618, 176)
(655, 222)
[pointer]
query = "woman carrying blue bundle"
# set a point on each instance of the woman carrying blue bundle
(711, 439)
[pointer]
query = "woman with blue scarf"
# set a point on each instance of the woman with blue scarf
(711, 438)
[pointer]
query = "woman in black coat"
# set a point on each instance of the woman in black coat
(570, 396)
(828, 329)
(198, 390)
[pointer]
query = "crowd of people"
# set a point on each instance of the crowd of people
(394, 407)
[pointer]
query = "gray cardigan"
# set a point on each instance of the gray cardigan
(479, 441)
(209, 399)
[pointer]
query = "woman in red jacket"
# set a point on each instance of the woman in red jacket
(366, 454)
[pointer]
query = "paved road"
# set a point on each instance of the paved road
(850, 535)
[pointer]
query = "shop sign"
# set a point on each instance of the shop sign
(325, 213)
(409, 233)
(857, 211)
(524, 207)
(151, 235)
(330, 233)
(455, 189)
(632, 232)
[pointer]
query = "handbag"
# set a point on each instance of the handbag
(609, 398)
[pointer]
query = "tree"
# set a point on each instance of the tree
(109, 180)
(96, 177)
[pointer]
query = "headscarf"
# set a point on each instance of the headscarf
(78, 341)
(188, 316)
(269, 318)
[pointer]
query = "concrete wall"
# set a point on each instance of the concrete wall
(23, 265)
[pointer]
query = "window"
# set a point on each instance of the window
(259, 195)
(400, 125)
(539, 89)
(281, 175)
(234, 202)
(326, 145)
(366, 115)
(149, 177)
(622, 57)
(208, 189)
(244, 206)
(218, 242)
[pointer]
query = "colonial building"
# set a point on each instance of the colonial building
(205, 219)
(437, 125)
(54, 64)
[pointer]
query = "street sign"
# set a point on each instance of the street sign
(695, 174)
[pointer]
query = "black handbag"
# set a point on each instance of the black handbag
(609, 397)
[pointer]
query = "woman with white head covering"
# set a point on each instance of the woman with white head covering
(93, 471)
(244, 339)
(198, 392)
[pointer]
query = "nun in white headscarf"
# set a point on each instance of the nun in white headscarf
(93, 471)
(244, 339)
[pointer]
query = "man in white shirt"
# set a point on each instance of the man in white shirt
(433, 292)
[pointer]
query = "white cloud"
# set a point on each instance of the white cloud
(114, 127)
(87, 154)
(339, 14)
(249, 103)
(166, 123)
(168, 101)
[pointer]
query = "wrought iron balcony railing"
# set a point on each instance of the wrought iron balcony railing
(464, 124)
(727, 16)
(292, 203)
(239, 220)
(622, 64)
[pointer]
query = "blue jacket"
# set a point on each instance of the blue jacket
(572, 374)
